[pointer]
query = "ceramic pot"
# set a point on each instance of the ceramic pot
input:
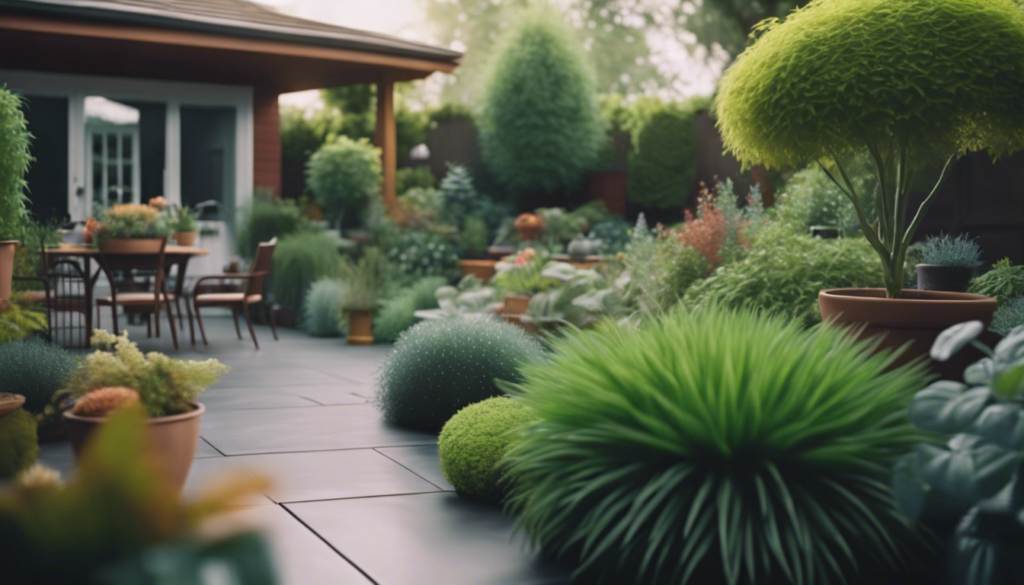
(10, 402)
(482, 269)
(7, 248)
(944, 278)
(916, 318)
(131, 245)
(516, 304)
(170, 440)
(186, 238)
(360, 327)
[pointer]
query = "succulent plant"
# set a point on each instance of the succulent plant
(101, 402)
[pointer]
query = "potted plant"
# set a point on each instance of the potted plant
(520, 278)
(14, 162)
(118, 375)
(949, 263)
(891, 79)
(130, 228)
(581, 247)
(529, 226)
(183, 224)
(363, 281)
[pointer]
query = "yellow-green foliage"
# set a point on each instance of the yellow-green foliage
(14, 161)
(19, 445)
(166, 386)
(662, 165)
(946, 74)
(18, 320)
(1004, 282)
(474, 441)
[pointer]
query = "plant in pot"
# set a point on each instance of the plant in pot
(949, 263)
(521, 278)
(14, 162)
(131, 228)
(363, 281)
(118, 375)
(893, 80)
(184, 226)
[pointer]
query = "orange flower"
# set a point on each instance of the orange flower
(158, 202)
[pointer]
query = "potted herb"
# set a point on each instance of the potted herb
(14, 162)
(183, 224)
(363, 281)
(130, 228)
(949, 263)
(118, 375)
(890, 79)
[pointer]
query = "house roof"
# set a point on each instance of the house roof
(238, 18)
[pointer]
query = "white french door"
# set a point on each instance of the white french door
(112, 173)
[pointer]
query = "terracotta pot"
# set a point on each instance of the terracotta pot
(516, 304)
(482, 269)
(10, 402)
(944, 278)
(171, 440)
(529, 232)
(917, 317)
(131, 245)
(7, 248)
(186, 238)
(610, 187)
(360, 327)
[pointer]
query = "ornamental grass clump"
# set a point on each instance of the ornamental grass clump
(474, 441)
(165, 386)
(945, 250)
(914, 84)
(439, 367)
(719, 446)
(322, 310)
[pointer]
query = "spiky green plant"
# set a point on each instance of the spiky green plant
(439, 367)
(1004, 282)
(474, 441)
(717, 446)
(914, 83)
(34, 369)
(945, 250)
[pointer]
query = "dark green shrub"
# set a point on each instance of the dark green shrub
(714, 447)
(783, 273)
(439, 367)
(1004, 282)
(893, 79)
(14, 162)
(663, 163)
(613, 233)
(459, 197)
(343, 175)
(540, 128)
(34, 369)
(19, 443)
(397, 313)
(322, 309)
(300, 260)
(265, 220)
(419, 253)
(474, 441)
(473, 238)
(414, 177)
(810, 198)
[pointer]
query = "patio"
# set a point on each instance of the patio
(354, 500)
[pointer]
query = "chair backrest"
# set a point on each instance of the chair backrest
(261, 265)
(155, 262)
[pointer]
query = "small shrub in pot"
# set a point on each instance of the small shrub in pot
(949, 263)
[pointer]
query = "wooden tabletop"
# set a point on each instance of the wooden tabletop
(83, 250)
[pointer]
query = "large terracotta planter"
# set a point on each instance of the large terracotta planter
(7, 248)
(360, 327)
(131, 245)
(186, 238)
(916, 319)
(171, 440)
(482, 269)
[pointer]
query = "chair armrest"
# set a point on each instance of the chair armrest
(228, 276)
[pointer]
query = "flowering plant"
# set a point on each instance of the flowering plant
(165, 386)
(522, 273)
(131, 220)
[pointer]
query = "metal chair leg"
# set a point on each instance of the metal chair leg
(248, 321)
(170, 317)
(199, 320)
(234, 313)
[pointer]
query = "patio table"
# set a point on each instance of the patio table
(173, 256)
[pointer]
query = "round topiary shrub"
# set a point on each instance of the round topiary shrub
(715, 446)
(439, 367)
(473, 443)
(540, 128)
(343, 175)
(323, 315)
(19, 443)
(34, 369)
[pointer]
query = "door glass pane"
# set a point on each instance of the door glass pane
(112, 146)
(97, 146)
(126, 148)
(208, 160)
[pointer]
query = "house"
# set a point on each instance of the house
(133, 99)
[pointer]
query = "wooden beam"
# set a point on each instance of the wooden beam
(266, 141)
(387, 141)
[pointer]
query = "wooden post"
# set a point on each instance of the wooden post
(387, 141)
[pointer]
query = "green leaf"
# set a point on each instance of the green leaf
(1002, 424)
(1009, 382)
(948, 407)
(955, 338)
(969, 470)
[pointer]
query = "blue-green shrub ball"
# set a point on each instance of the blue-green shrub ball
(19, 443)
(439, 367)
(474, 441)
(34, 369)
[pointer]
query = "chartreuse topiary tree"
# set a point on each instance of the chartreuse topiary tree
(541, 127)
(913, 83)
(474, 441)
(343, 175)
(715, 446)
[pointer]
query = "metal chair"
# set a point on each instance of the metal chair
(64, 295)
(149, 302)
(239, 301)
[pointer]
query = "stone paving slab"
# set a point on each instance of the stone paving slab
(421, 460)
